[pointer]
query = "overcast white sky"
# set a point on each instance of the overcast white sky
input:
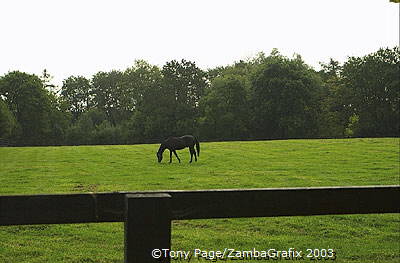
(82, 37)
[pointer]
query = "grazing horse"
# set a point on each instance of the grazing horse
(179, 143)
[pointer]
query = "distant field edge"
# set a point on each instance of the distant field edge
(7, 144)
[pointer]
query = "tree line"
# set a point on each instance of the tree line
(264, 97)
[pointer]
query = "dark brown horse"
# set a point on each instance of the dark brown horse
(179, 143)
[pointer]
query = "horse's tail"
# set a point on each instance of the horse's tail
(197, 146)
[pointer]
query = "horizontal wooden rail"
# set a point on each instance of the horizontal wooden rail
(232, 203)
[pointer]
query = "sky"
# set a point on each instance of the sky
(85, 37)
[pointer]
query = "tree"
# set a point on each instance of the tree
(110, 95)
(8, 124)
(40, 117)
(335, 114)
(225, 109)
(83, 131)
(137, 82)
(77, 93)
(46, 79)
(183, 85)
(30, 104)
(372, 84)
(285, 94)
(59, 120)
(152, 118)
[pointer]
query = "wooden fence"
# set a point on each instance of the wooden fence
(147, 215)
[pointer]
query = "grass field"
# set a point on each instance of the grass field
(289, 163)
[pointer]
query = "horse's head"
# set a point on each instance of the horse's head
(159, 156)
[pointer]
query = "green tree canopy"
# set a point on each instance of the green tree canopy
(285, 98)
(183, 85)
(29, 102)
(77, 92)
(225, 109)
(8, 124)
(372, 84)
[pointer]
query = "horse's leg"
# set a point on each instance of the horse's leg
(191, 154)
(195, 155)
(170, 156)
(177, 156)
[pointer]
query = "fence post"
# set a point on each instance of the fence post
(147, 227)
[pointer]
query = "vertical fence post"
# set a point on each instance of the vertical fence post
(147, 227)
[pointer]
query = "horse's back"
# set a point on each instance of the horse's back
(189, 140)
(179, 143)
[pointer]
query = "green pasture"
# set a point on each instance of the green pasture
(222, 165)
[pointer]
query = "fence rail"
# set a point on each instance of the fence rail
(144, 211)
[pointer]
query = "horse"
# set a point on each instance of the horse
(179, 143)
